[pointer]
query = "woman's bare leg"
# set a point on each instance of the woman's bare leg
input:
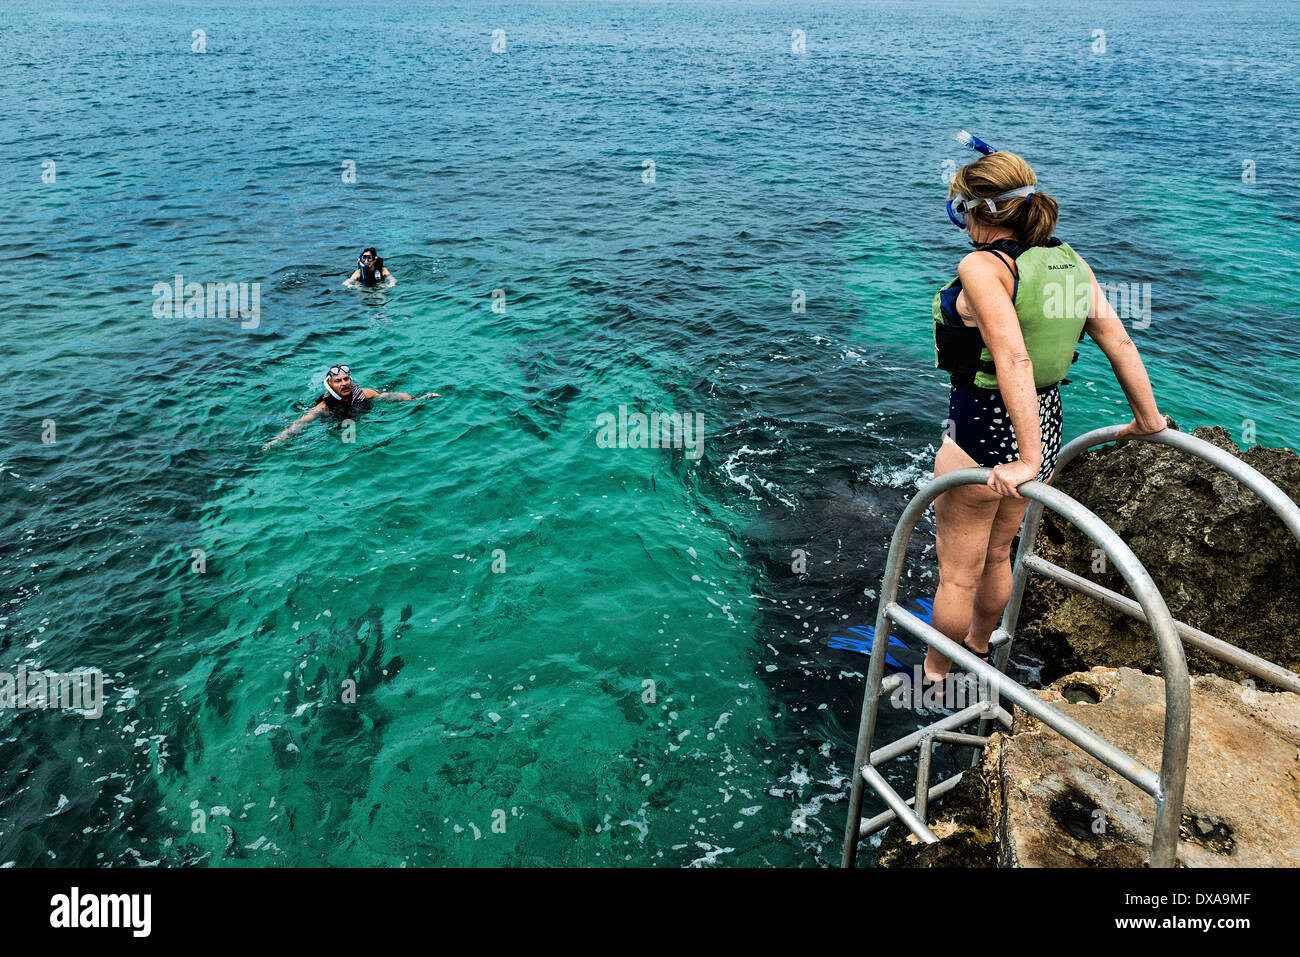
(964, 519)
(994, 588)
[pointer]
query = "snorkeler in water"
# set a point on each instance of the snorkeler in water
(370, 271)
(343, 399)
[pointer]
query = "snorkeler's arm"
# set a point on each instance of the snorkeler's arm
(389, 276)
(1106, 329)
(981, 280)
(351, 280)
(399, 396)
(305, 419)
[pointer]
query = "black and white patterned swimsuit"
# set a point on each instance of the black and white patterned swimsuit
(981, 426)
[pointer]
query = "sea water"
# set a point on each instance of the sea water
(467, 631)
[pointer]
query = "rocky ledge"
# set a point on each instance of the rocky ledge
(1222, 559)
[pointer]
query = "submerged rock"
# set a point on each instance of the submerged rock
(1222, 559)
(1054, 806)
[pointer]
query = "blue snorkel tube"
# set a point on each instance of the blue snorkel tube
(974, 142)
(979, 146)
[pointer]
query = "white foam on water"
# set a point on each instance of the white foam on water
(711, 854)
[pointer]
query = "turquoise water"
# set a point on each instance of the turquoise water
(644, 681)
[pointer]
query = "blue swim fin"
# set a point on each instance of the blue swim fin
(899, 655)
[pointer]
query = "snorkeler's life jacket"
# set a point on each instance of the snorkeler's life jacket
(344, 408)
(1052, 297)
(371, 275)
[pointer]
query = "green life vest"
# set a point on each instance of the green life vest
(1052, 296)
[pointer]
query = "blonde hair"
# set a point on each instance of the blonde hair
(1031, 218)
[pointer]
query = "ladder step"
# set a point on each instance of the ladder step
(900, 807)
(965, 740)
(869, 827)
(950, 723)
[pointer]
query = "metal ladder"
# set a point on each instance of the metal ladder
(1167, 786)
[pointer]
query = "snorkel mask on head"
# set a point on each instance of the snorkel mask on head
(335, 370)
(959, 206)
(362, 255)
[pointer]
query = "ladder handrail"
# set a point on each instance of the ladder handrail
(1252, 478)
(1173, 765)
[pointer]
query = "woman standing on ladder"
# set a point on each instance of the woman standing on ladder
(1006, 329)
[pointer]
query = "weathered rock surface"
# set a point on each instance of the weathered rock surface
(1222, 559)
(1036, 800)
